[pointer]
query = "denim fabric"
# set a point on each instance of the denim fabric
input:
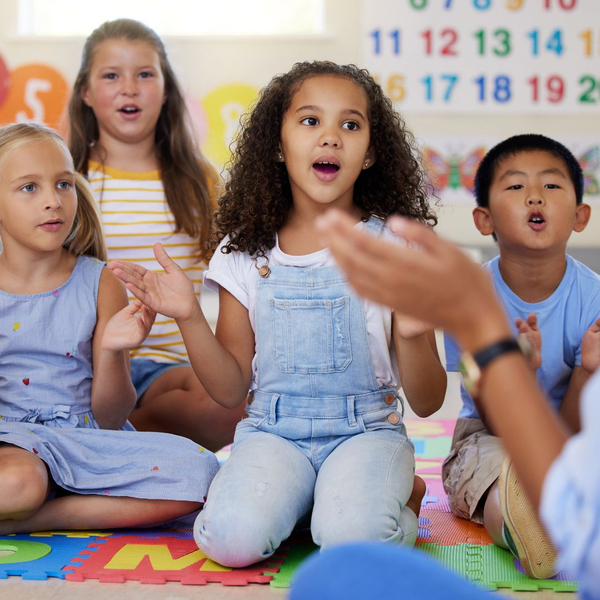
(145, 371)
(319, 430)
(46, 343)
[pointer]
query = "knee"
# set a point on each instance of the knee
(342, 525)
(340, 529)
(233, 542)
(24, 487)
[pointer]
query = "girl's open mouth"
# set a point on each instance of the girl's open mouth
(326, 170)
(130, 111)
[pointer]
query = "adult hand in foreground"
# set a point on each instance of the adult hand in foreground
(429, 279)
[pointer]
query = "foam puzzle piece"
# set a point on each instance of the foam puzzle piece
(430, 468)
(155, 533)
(429, 428)
(493, 568)
(448, 530)
(72, 534)
(424, 532)
(35, 559)
(297, 553)
(160, 560)
(436, 496)
(419, 445)
(438, 447)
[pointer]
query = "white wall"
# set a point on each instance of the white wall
(204, 64)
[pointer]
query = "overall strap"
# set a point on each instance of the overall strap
(375, 224)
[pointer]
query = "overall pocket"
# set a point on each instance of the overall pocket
(311, 336)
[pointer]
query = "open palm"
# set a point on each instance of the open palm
(170, 293)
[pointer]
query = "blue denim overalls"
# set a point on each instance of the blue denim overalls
(319, 430)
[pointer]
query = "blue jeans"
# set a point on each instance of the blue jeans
(369, 570)
(269, 483)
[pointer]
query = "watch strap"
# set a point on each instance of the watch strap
(489, 353)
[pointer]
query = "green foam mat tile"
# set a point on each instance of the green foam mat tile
(298, 552)
(492, 567)
(436, 447)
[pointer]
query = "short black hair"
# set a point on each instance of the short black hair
(528, 142)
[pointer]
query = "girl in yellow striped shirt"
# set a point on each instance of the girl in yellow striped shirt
(129, 135)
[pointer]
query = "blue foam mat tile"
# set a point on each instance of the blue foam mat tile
(35, 558)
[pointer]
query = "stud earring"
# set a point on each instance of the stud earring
(280, 157)
(366, 163)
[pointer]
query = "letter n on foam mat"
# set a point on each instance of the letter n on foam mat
(161, 560)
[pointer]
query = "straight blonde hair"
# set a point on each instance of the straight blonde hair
(86, 235)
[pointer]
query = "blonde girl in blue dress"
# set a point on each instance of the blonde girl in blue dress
(69, 459)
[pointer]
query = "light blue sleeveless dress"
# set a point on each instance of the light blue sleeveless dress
(45, 402)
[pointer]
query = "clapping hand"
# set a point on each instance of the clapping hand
(170, 293)
(590, 348)
(128, 328)
(528, 328)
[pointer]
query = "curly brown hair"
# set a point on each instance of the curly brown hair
(258, 197)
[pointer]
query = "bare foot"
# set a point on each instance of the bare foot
(416, 497)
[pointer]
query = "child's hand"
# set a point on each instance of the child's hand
(128, 329)
(529, 329)
(590, 348)
(170, 293)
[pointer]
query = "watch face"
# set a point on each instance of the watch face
(471, 373)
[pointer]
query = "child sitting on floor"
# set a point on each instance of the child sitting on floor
(529, 191)
(323, 432)
(69, 459)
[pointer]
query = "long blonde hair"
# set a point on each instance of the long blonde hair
(85, 236)
(188, 178)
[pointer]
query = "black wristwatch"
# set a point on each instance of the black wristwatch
(472, 365)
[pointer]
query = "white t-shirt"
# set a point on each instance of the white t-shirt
(237, 273)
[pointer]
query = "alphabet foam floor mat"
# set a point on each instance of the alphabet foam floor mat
(158, 555)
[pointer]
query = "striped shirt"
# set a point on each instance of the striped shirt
(135, 215)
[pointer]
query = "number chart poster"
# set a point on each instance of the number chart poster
(513, 56)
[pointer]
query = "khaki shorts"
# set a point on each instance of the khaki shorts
(471, 468)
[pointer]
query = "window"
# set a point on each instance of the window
(176, 17)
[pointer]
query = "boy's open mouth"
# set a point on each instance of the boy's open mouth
(537, 221)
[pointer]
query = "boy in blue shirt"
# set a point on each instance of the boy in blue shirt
(529, 191)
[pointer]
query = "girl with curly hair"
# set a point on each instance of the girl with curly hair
(323, 367)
